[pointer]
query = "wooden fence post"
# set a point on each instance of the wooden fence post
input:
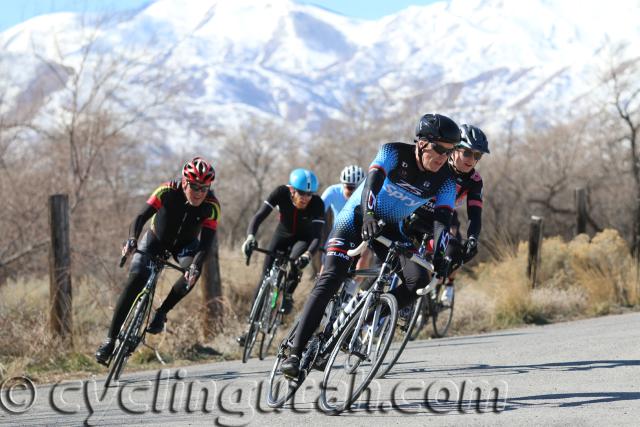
(60, 311)
(535, 245)
(581, 210)
(212, 292)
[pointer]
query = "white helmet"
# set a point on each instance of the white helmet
(351, 175)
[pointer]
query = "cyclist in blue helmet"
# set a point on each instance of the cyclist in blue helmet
(298, 232)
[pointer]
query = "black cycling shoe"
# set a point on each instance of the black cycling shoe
(291, 367)
(157, 324)
(242, 339)
(104, 351)
(287, 303)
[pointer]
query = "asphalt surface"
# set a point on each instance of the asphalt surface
(584, 372)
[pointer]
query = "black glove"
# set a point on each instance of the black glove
(470, 249)
(441, 265)
(370, 227)
(303, 260)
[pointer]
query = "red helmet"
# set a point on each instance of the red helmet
(198, 170)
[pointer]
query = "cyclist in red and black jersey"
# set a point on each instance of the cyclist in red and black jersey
(469, 187)
(184, 216)
(299, 230)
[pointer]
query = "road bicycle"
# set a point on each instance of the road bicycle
(351, 343)
(267, 313)
(134, 328)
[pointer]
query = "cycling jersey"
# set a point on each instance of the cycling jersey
(403, 188)
(394, 188)
(334, 199)
(302, 223)
(175, 222)
(469, 187)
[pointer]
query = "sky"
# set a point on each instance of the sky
(13, 12)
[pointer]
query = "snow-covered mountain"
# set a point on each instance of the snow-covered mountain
(485, 61)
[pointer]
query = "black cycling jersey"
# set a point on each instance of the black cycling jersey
(175, 222)
(306, 224)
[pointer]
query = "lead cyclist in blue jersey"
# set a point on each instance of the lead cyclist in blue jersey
(401, 178)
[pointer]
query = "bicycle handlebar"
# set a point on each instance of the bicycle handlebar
(267, 252)
(155, 258)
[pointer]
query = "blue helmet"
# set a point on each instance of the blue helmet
(473, 138)
(303, 180)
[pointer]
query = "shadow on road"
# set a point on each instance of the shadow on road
(561, 400)
(484, 369)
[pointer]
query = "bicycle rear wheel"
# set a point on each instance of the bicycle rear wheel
(401, 336)
(344, 377)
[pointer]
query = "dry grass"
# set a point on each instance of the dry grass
(576, 279)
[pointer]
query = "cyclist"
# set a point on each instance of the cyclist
(401, 178)
(462, 163)
(184, 215)
(336, 195)
(298, 232)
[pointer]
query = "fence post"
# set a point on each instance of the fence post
(212, 292)
(581, 210)
(535, 245)
(60, 313)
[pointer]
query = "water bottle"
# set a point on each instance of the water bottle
(350, 288)
(346, 310)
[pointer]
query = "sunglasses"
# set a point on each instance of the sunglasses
(439, 149)
(198, 187)
(470, 153)
(304, 193)
(350, 187)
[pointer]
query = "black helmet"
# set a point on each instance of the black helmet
(473, 138)
(436, 127)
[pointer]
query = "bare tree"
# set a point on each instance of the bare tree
(621, 78)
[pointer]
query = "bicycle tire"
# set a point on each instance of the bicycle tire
(352, 395)
(274, 320)
(406, 334)
(274, 400)
(132, 325)
(422, 319)
(254, 318)
(437, 310)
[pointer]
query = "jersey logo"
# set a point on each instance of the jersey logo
(410, 188)
(408, 200)
(371, 201)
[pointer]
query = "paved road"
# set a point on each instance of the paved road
(584, 372)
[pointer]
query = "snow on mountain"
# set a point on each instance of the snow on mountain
(485, 61)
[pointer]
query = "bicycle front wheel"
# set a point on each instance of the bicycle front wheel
(281, 389)
(349, 371)
(273, 319)
(441, 317)
(259, 304)
(401, 336)
(130, 334)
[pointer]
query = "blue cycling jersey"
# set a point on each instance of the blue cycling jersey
(405, 187)
(333, 197)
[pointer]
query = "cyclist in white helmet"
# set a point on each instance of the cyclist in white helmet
(335, 196)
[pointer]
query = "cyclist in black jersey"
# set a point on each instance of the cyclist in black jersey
(184, 216)
(299, 230)
(469, 186)
(401, 178)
